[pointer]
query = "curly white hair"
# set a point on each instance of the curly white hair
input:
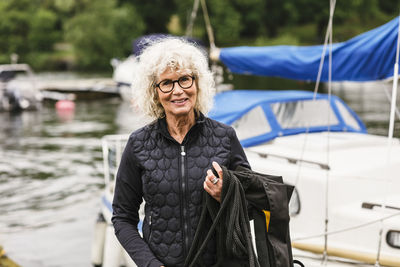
(176, 54)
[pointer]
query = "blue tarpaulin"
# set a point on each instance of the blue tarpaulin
(366, 57)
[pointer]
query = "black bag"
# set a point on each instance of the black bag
(269, 198)
(265, 198)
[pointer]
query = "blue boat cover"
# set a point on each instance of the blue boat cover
(366, 57)
(230, 106)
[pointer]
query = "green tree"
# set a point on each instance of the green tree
(183, 11)
(226, 21)
(26, 27)
(155, 13)
(43, 34)
(252, 14)
(389, 7)
(14, 26)
(297, 16)
(103, 31)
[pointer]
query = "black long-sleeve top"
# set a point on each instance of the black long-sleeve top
(169, 176)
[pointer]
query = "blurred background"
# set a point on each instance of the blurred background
(84, 35)
(51, 173)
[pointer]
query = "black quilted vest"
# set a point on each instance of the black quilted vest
(172, 178)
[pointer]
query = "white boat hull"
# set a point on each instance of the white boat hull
(361, 173)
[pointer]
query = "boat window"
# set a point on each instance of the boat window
(347, 117)
(7, 75)
(253, 123)
(113, 147)
(112, 162)
(306, 113)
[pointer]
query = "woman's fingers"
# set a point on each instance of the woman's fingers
(210, 176)
(216, 194)
(208, 182)
(213, 184)
(218, 169)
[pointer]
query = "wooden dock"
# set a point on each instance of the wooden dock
(80, 88)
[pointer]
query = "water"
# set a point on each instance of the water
(51, 172)
(51, 180)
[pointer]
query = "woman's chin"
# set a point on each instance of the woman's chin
(181, 112)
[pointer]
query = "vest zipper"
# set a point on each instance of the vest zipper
(150, 225)
(184, 211)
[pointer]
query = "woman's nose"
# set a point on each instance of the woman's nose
(177, 89)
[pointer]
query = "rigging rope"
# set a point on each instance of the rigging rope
(348, 228)
(321, 63)
(388, 98)
(328, 37)
(189, 28)
(328, 32)
(210, 32)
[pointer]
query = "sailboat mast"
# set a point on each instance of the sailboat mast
(394, 89)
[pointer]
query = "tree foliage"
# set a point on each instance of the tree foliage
(14, 26)
(42, 32)
(102, 29)
(155, 13)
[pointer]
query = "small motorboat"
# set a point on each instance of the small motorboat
(18, 90)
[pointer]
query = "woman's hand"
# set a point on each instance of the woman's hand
(213, 184)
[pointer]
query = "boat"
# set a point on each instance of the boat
(283, 135)
(346, 180)
(106, 249)
(341, 173)
(123, 75)
(345, 210)
(18, 90)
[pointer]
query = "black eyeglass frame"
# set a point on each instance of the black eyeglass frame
(176, 81)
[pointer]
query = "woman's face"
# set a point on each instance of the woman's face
(179, 102)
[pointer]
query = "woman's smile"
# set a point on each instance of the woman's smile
(180, 102)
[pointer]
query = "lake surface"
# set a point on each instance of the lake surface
(51, 175)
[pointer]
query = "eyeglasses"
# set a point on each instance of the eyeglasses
(185, 82)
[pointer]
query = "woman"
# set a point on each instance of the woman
(168, 162)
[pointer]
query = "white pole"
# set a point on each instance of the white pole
(394, 89)
(325, 254)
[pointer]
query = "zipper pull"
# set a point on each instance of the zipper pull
(183, 153)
